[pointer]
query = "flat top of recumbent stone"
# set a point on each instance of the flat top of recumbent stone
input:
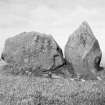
(29, 35)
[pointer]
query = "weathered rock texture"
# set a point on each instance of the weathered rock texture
(32, 51)
(83, 51)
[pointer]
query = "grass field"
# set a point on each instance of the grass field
(29, 90)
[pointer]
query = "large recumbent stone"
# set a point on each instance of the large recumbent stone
(32, 51)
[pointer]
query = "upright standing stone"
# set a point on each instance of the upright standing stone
(32, 51)
(83, 50)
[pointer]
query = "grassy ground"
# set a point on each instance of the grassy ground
(27, 90)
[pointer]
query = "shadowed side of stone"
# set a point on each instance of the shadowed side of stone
(83, 51)
(33, 52)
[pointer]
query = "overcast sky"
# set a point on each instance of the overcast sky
(57, 17)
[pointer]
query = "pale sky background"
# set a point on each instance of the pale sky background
(57, 17)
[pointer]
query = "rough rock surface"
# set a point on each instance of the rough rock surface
(83, 51)
(32, 51)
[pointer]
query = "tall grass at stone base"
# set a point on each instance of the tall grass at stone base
(25, 90)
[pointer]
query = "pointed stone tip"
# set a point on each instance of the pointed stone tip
(85, 23)
(85, 27)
